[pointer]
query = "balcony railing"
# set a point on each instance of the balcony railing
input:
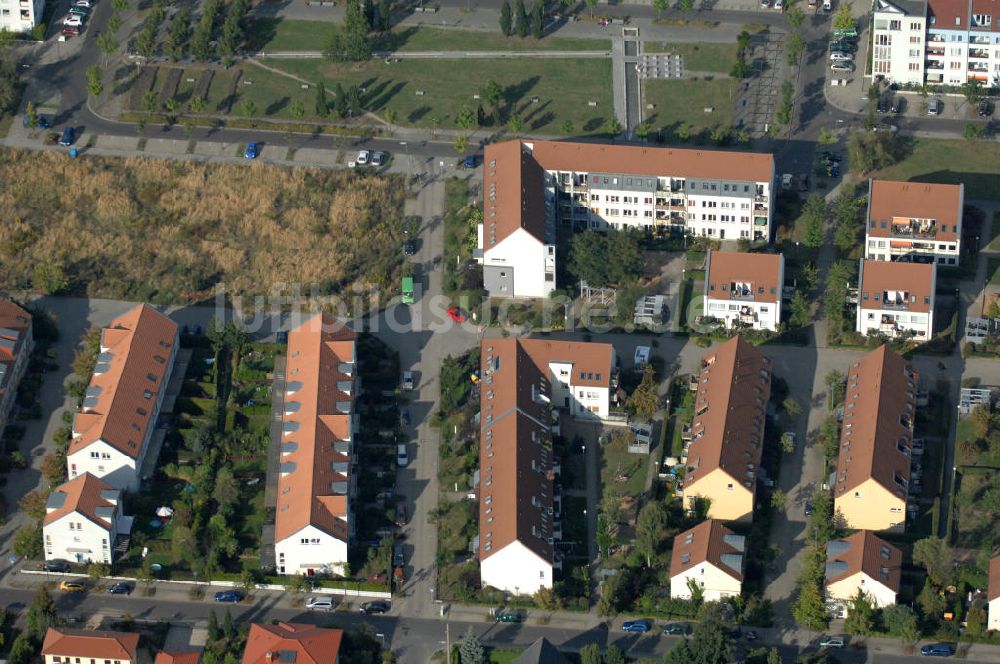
(741, 295)
(912, 231)
(935, 65)
(896, 305)
(981, 54)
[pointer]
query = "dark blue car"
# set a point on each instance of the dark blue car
(68, 136)
(470, 161)
(641, 626)
(405, 415)
(938, 650)
(232, 596)
(120, 589)
(251, 151)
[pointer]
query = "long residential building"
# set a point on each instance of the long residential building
(291, 643)
(710, 557)
(84, 646)
(84, 521)
(865, 563)
(744, 290)
(313, 517)
(722, 459)
(937, 42)
(896, 299)
(914, 221)
(876, 439)
(16, 343)
(523, 381)
(533, 188)
(112, 430)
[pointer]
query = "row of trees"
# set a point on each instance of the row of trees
(517, 21)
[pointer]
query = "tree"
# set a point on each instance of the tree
(10, 88)
(461, 143)
(844, 19)
(95, 82)
(625, 256)
(612, 127)
(297, 109)
(795, 15)
(466, 118)
(590, 5)
(778, 498)
(107, 43)
(614, 655)
(390, 115)
(471, 649)
(661, 6)
(506, 19)
(41, 615)
(787, 443)
(935, 556)
(796, 44)
(801, 310)
(538, 19)
(22, 650)
(150, 101)
(870, 151)
(322, 105)
(650, 529)
(213, 626)
(515, 124)
(973, 91)
(31, 113)
(860, 615)
(248, 108)
(791, 406)
(685, 6)
(49, 278)
(33, 503)
(567, 127)
(643, 403)
(492, 96)
(900, 620)
(228, 629)
(350, 43)
(973, 131)
(522, 26)
(836, 384)
(814, 218)
(773, 656)
(826, 137)
(710, 642)
(591, 654)
(197, 105)
(809, 609)
(385, 14)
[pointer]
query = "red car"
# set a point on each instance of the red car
(70, 30)
(456, 315)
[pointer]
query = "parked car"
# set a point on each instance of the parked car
(83, 3)
(751, 635)
(680, 628)
(843, 45)
(470, 161)
(398, 559)
(320, 603)
(765, 4)
(827, 6)
(409, 247)
(363, 156)
(897, 105)
(376, 606)
(252, 150)
(934, 107)
(72, 587)
(407, 380)
(402, 458)
(120, 589)
(400, 514)
(73, 19)
(786, 181)
(803, 182)
(850, 32)
(809, 509)
(58, 566)
(832, 642)
(404, 415)
(79, 11)
(641, 626)
(840, 56)
(779, 5)
(938, 650)
(456, 315)
(68, 136)
(231, 596)
(70, 30)
(985, 108)
(842, 66)
(510, 616)
(378, 158)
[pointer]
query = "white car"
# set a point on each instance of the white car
(320, 603)
(83, 3)
(779, 5)
(363, 157)
(832, 642)
(786, 181)
(839, 56)
(73, 20)
(842, 66)
(402, 458)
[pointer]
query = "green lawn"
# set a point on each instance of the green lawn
(563, 89)
(951, 162)
(275, 34)
(679, 105)
(621, 471)
(993, 271)
(698, 56)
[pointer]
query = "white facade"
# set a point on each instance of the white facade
(994, 615)
(841, 592)
(76, 538)
(957, 55)
(898, 33)
(894, 320)
(516, 569)
(519, 266)
(20, 16)
(756, 315)
(311, 551)
(584, 402)
(887, 249)
(715, 583)
(106, 462)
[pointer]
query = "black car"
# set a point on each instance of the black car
(882, 106)
(751, 635)
(58, 566)
(68, 136)
(809, 509)
(409, 247)
(375, 607)
(120, 589)
(985, 109)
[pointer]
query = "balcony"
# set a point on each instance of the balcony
(914, 229)
(741, 292)
(934, 65)
(935, 52)
(979, 53)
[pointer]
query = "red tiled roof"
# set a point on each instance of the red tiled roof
(177, 657)
(994, 587)
(291, 643)
(865, 552)
(18, 321)
(83, 496)
(320, 351)
(140, 344)
(512, 193)
(734, 386)
(89, 643)
(903, 201)
(708, 542)
(727, 268)
(917, 280)
(949, 14)
(881, 391)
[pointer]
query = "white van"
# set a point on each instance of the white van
(779, 5)
(402, 458)
(827, 5)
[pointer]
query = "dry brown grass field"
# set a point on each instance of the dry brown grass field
(169, 231)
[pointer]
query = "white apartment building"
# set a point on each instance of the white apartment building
(313, 517)
(531, 188)
(84, 521)
(898, 34)
(111, 432)
(993, 595)
(711, 557)
(943, 42)
(914, 221)
(16, 343)
(862, 562)
(896, 299)
(523, 382)
(744, 290)
(20, 16)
